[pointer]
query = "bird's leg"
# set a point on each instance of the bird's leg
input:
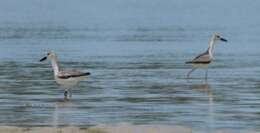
(192, 70)
(70, 93)
(206, 74)
(65, 94)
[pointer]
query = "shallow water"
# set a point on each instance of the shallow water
(138, 70)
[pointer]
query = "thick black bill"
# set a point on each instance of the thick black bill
(223, 39)
(43, 59)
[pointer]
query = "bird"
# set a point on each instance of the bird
(204, 59)
(65, 78)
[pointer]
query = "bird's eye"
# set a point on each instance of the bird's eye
(48, 53)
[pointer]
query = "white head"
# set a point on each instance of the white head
(51, 55)
(217, 37)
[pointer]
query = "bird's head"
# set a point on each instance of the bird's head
(217, 37)
(50, 55)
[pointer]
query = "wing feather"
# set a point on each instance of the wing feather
(70, 74)
(203, 58)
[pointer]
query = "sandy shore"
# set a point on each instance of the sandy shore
(119, 128)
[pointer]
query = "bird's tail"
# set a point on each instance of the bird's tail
(86, 74)
(188, 62)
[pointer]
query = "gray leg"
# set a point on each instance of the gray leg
(70, 93)
(66, 94)
(192, 70)
(206, 74)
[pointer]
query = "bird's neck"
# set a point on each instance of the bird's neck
(55, 66)
(211, 47)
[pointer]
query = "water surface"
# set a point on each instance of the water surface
(137, 65)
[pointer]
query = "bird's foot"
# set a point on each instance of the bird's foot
(70, 95)
(65, 95)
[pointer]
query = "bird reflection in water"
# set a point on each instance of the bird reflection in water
(206, 89)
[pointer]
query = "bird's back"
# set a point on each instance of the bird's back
(71, 74)
(203, 58)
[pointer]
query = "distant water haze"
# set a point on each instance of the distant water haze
(128, 13)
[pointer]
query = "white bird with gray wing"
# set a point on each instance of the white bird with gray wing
(204, 59)
(66, 79)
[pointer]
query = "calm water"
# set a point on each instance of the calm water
(136, 53)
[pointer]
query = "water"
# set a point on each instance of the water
(136, 53)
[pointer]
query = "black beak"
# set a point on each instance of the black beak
(43, 59)
(223, 39)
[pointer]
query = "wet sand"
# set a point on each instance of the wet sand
(119, 128)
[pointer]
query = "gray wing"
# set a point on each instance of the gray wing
(71, 73)
(202, 58)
